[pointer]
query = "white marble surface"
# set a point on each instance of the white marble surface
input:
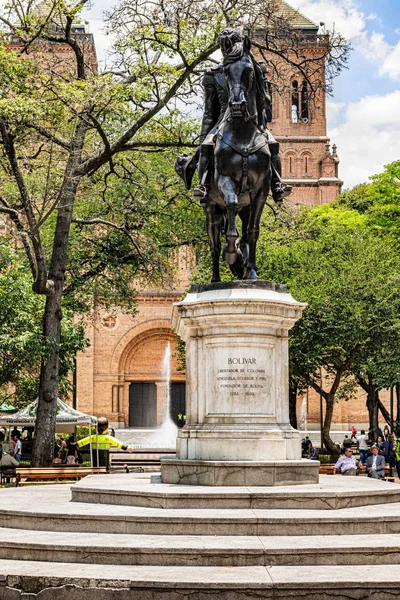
(237, 375)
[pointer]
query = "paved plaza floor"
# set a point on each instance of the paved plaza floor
(125, 537)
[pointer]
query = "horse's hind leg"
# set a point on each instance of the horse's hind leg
(226, 187)
(214, 218)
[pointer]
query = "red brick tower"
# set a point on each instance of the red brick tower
(299, 120)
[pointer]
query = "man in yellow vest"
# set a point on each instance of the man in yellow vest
(102, 441)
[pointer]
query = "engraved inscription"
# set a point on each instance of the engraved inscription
(240, 380)
(248, 379)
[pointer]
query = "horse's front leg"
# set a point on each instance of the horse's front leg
(227, 189)
(253, 232)
(214, 217)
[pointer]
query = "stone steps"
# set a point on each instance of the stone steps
(55, 549)
(180, 550)
(76, 581)
(49, 509)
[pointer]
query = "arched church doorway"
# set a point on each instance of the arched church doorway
(145, 379)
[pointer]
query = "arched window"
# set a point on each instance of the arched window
(295, 105)
(306, 162)
(290, 165)
(304, 101)
(299, 102)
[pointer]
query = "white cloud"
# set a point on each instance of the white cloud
(351, 22)
(368, 136)
(391, 63)
(343, 15)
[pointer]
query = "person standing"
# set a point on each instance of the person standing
(15, 432)
(72, 450)
(397, 453)
(63, 450)
(362, 440)
(386, 449)
(376, 464)
(17, 448)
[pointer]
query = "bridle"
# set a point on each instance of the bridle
(236, 109)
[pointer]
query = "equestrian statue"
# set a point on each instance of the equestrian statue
(238, 158)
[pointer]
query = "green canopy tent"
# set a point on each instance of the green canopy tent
(7, 408)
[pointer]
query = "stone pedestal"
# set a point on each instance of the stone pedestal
(237, 428)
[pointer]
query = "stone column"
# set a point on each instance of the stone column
(237, 430)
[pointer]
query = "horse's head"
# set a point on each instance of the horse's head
(240, 75)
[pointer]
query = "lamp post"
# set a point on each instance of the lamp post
(391, 409)
(321, 416)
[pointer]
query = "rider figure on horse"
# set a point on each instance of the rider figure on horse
(215, 104)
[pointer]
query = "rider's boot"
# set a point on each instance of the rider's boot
(202, 190)
(185, 167)
(279, 189)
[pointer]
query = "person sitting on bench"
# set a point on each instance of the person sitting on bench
(347, 464)
(8, 464)
(376, 464)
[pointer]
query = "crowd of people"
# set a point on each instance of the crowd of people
(67, 452)
(374, 453)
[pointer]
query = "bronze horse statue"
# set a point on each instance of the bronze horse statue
(241, 169)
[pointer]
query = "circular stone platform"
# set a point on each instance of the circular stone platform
(55, 549)
(333, 492)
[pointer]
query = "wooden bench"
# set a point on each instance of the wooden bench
(327, 469)
(33, 475)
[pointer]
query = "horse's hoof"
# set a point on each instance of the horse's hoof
(251, 275)
(215, 280)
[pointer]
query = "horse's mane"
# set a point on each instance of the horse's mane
(235, 53)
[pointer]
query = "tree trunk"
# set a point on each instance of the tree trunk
(45, 427)
(386, 415)
(373, 409)
(43, 448)
(326, 428)
(293, 387)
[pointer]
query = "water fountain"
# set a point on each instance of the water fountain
(164, 437)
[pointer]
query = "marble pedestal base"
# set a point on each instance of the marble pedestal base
(237, 429)
(239, 473)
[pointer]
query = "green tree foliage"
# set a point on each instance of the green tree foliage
(350, 279)
(379, 204)
(22, 346)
